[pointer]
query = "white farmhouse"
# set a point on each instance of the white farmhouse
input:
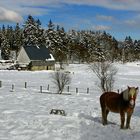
(36, 58)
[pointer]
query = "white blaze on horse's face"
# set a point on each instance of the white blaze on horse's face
(132, 98)
(132, 102)
(132, 95)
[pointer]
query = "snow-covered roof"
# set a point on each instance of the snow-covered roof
(38, 53)
(51, 59)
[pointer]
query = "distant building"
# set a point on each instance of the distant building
(35, 58)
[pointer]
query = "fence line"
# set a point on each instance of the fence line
(45, 89)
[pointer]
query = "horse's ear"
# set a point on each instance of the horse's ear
(137, 89)
(128, 87)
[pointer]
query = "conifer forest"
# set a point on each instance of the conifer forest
(70, 45)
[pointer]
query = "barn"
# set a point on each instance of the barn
(35, 58)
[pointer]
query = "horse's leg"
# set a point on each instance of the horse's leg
(107, 111)
(129, 114)
(103, 109)
(122, 116)
(104, 116)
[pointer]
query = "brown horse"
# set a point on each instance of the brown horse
(119, 103)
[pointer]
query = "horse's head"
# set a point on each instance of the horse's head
(130, 95)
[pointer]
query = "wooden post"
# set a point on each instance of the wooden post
(40, 89)
(76, 90)
(68, 89)
(87, 90)
(12, 88)
(48, 88)
(25, 84)
(0, 83)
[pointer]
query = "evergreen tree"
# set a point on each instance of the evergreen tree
(3, 30)
(114, 49)
(137, 49)
(56, 41)
(51, 37)
(61, 48)
(128, 49)
(104, 48)
(10, 36)
(86, 44)
(0, 37)
(5, 48)
(73, 42)
(18, 41)
(32, 32)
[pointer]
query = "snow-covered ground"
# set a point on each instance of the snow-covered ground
(25, 112)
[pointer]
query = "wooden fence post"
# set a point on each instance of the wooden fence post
(40, 89)
(25, 84)
(12, 88)
(68, 89)
(76, 90)
(0, 84)
(87, 90)
(48, 88)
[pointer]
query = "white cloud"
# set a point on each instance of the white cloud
(15, 9)
(111, 4)
(104, 17)
(101, 28)
(131, 22)
(9, 15)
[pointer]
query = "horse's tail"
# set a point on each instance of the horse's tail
(102, 100)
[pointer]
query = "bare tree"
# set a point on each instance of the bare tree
(61, 79)
(105, 71)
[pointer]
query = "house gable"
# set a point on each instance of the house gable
(23, 58)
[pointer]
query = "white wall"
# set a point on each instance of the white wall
(23, 57)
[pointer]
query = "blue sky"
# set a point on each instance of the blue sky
(120, 18)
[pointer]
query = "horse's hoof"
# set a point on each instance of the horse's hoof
(122, 127)
(127, 127)
(104, 123)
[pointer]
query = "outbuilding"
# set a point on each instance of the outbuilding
(35, 58)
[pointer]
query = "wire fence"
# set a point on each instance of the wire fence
(43, 88)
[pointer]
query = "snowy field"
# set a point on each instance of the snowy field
(25, 112)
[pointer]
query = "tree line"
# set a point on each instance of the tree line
(72, 45)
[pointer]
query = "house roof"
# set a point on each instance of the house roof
(38, 53)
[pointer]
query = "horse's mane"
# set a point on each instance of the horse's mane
(125, 94)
